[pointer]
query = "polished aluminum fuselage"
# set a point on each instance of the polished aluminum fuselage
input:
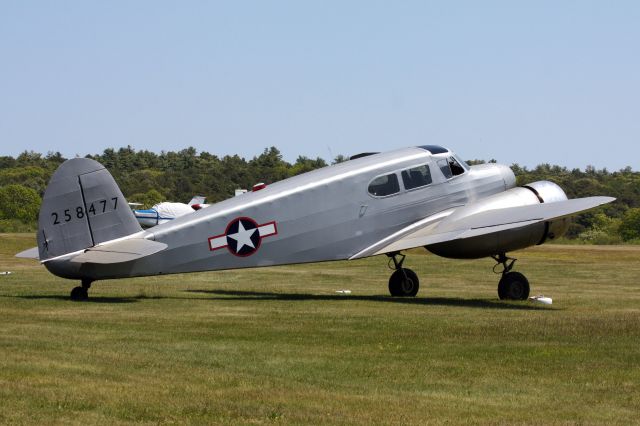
(326, 214)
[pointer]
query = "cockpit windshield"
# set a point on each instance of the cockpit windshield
(452, 166)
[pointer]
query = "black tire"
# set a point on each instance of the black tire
(502, 289)
(513, 286)
(404, 284)
(79, 294)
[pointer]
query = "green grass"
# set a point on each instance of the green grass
(278, 345)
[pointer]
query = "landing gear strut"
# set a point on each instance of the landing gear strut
(512, 285)
(81, 293)
(403, 282)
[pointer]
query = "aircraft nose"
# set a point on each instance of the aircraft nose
(508, 176)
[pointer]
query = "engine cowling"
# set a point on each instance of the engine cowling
(512, 239)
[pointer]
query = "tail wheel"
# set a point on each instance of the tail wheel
(513, 286)
(79, 294)
(404, 283)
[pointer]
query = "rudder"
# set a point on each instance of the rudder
(82, 207)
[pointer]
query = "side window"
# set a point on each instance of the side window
(450, 167)
(416, 177)
(384, 185)
(444, 167)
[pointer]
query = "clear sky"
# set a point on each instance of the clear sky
(520, 81)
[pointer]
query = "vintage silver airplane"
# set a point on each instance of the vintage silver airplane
(374, 204)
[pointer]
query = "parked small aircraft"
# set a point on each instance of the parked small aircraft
(166, 211)
(375, 204)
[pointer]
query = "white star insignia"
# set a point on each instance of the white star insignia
(243, 237)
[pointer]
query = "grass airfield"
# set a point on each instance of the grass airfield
(278, 345)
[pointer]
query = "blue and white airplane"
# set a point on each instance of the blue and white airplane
(167, 211)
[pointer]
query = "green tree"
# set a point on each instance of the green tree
(340, 159)
(148, 199)
(30, 158)
(304, 164)
(269, 167)
(630, 225)
(33, 177)
(19, 202)
(604, 230)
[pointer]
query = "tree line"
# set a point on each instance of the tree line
(149, 178)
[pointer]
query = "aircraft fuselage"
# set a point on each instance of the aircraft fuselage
(326, 214)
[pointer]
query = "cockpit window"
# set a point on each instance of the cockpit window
(456, 168)
(450, 167)
(384, 185)
(416, 177)
(444, 167)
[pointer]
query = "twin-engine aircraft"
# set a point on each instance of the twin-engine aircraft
(375, 204)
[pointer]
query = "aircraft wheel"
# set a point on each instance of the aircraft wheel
(502, 289)
(513, 286)
(404, 284)
(79, 294)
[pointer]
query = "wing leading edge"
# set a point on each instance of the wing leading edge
(448, 226)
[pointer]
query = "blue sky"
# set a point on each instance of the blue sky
(521, 82)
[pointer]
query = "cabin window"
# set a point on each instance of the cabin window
(384, 185)
(450, 167)
(416, 177)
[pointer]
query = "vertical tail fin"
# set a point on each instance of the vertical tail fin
(82, 207)
(197, 199)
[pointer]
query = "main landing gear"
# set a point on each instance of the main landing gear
(403, 282)
(81, 293)
(512, 285)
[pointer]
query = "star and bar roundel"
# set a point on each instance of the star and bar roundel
(243, 236)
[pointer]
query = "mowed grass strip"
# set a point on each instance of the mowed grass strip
(279, 345)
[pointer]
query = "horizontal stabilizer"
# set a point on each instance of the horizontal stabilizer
(31, 253)
(437, 229)
(120, 251)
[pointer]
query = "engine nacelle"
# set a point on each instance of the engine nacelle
(512, 239)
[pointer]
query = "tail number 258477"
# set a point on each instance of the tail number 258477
(95, 208)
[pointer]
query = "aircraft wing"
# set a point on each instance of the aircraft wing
(446, 226)
(119, 251)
